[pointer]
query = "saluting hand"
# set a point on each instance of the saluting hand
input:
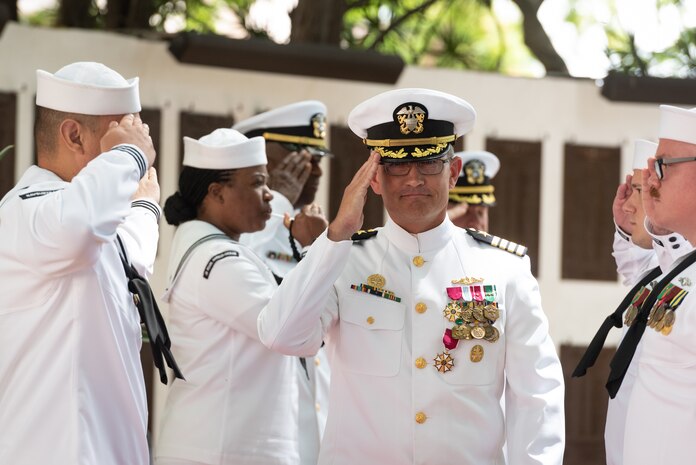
(148, 188)
(622, 194)
(290, 176)
(308, 224)
(350, 213)
(130, 130)
(458, 211)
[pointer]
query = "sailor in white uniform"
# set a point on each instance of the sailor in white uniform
(239, 401)
(71, 382)
(661, 413)
(426, 323)
(295, 138)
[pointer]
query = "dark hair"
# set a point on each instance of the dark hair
(183, 205)
(47, 124)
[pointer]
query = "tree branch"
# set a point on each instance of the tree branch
(395, 24)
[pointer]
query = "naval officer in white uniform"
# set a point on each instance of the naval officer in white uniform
(474, 193)
(661, 413)
(296, 144)
(239, 401)
(71, 382)
(426, 323)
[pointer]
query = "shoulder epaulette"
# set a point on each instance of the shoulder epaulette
(363, 234)
(498, 242)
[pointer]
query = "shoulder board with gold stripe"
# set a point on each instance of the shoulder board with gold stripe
(363, 234)
(498, 242)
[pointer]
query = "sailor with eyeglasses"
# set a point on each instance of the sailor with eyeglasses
(429, 325)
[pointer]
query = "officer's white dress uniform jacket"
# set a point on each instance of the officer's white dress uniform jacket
(633, 262)
(376, 389)
(239, 401)
(272, 244)
(71, 382)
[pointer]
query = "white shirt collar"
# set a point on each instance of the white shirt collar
(424, 242)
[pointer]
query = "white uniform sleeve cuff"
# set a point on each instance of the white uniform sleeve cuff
(149, 205)
(137, 155)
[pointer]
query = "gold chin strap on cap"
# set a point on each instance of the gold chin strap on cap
(408, 142)
(472, 190)
(302, 140)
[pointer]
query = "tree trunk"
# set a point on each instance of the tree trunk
(537, 40)
(129, 14)
(318, 21)
(76, 13)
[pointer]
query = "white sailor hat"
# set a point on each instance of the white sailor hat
(642, 150)
(678, 124)
(87, 88)
(474, 183)
(411, 124)
(301, 123)
(224, 149)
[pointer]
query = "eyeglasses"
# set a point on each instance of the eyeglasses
(313, 150)
(425, 167)
(660, 162)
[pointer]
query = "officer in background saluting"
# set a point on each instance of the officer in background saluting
(473, 195)
(427, 323)
(71, 384)
(295, 138)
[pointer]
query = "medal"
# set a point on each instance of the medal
(491, 312)
(478, 332)
(476, 354)
(444, 362)
(376, 280)
(461, 332)
(492, 335)
(453, 311)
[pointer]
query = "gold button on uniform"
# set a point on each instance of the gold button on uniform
(418, 261)
(420, 418)
(421, 307)
(370, 320)
(421, 363)
(317, 362)
(317, 406)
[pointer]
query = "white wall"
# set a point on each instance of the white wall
(553, 110)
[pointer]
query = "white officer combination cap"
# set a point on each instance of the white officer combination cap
(678, 124)
(474, 183)
(642, 150)
(411, 124)
(224, 149)
(87, 88)
(302, 123)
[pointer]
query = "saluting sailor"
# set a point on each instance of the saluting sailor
(427, 323)
(295, 138)
(71, 382)
(661, 413)
(239, 403)
(474, 193)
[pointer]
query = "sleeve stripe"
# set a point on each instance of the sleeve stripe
(149, 205)
(135, 153)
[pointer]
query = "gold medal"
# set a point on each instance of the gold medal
(476, 354)
(468, 314)
(669, 318)
(461, 332)
(444, 362)
(666, 330)
(478, 332)
(491, 312)
(478, 313)
(376, 280)
(630, 315)
(659, 313)
(453, 311)
(494, 334)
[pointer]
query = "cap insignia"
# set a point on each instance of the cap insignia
(319, 125)
(475, 171)
(410, 117)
